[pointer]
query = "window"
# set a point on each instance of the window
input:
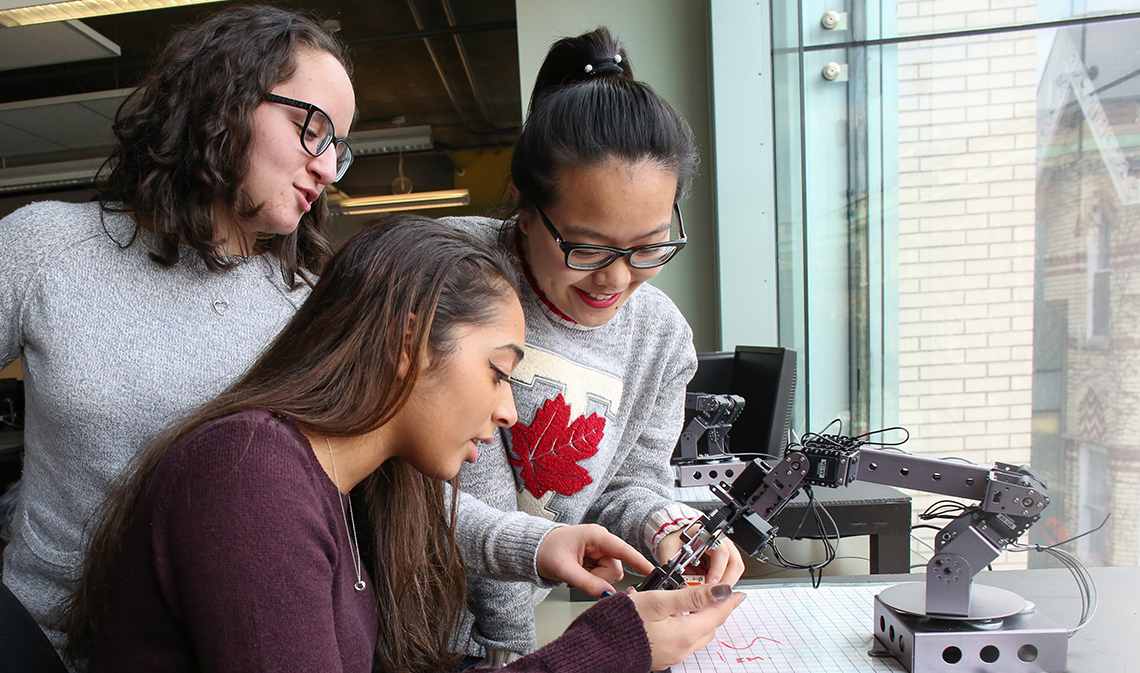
(952, 198)
(1099, 277)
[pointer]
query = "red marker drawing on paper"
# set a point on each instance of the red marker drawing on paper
(742, 660)
(771, 640)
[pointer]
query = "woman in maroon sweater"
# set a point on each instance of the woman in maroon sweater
(234, 546)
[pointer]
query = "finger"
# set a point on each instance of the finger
(580, 578)
(735, 567)
(700, 644)
(717, 560)
(678, 636)
(614, 547)
(661, 604)
(709, 619)
(608, 569)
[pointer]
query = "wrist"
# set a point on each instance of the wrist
(542, 572)
(669, 520)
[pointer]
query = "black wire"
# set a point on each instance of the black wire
(946, 509)
(803, 519)
(815, 570)
(822, 432)
(878, 432)
(1075, 537)
(1084, 580)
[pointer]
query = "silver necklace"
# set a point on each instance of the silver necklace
(357, 562)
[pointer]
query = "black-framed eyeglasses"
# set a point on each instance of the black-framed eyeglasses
(317, 133)
(586, 257)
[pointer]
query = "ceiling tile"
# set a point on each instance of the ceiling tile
(14, 142)
(51, 43)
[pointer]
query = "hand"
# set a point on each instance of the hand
(674, 635)
(587, 557)
(723, 564)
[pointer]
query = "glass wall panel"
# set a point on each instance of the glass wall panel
(962, 216)
(834, 22)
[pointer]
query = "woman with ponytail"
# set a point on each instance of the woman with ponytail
(596, 177)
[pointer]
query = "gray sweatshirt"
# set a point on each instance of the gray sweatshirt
(115, 347)
(599, 411)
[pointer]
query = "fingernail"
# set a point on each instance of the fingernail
(607, 594)
(720, 592)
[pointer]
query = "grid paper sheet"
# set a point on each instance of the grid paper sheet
(796, 629)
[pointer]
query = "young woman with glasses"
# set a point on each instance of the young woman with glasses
(237, 546)
(596, 176)
(130, 311)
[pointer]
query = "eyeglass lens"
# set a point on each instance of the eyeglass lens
(589, 259)
(596, 258)
(317, 136)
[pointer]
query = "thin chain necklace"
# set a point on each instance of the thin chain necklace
(357, 563)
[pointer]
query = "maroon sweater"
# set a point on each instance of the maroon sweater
(238, 560)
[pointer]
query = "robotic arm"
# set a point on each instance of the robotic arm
(929, 627)
(712, 418)
(1010, 500)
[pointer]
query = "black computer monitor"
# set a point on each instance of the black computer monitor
(766, 379)
(714, 373)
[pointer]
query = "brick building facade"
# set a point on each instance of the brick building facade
(1088, 414)
(967, 192)
(1019, 284)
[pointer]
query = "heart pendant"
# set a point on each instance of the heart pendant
(220, 305)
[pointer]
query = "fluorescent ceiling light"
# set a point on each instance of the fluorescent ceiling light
(77, 174)
(25, 12)
(386, 141)
(401, 202)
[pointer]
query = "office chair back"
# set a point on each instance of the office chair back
(23, 646)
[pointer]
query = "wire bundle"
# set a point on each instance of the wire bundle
(818, 513)
(1080, 573)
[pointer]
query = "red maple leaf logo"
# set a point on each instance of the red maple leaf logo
(550, 448)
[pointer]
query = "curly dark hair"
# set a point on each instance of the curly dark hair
(183, 136)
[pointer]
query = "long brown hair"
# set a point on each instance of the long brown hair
(334, 370)
(183, 136)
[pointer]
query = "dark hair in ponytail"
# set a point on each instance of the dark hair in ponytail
(587, 109)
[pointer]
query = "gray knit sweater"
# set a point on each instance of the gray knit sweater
(115, 348)
(599, 411)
